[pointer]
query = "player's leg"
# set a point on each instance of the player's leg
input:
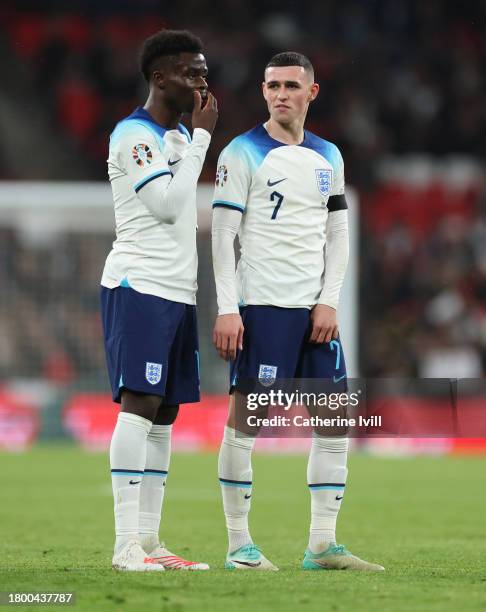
(156, 470)
(136, 357)
(127, 460)
(236, 479)
(327, 466)
(182, 386)
(271, 340)
(235, 476)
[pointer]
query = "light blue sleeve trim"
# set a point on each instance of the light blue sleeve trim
(227, 204)
(149, 178)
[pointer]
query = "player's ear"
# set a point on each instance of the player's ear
(314, 90)
(158, 79)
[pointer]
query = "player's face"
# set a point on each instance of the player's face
(288, 91)
(185, 75)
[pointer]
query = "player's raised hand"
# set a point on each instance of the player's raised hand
(324, 324)
(228, 335)
(204, 116)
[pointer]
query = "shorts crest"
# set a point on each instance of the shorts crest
(267, 374)
(153, 372)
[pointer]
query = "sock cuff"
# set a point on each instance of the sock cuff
(161, 431)
(331, 445)
(135, 419)
(232, 438)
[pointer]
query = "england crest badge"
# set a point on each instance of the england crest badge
(267, 374)
(153, 372)
(324, 180)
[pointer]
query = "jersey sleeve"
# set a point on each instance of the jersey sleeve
(233, 179)
(140, 157)
(338, 178)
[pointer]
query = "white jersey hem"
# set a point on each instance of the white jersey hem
(154, 290)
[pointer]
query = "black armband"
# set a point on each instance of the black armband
(337, 202)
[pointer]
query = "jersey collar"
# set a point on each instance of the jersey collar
(141, 113)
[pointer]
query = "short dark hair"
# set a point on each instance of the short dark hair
(166, 43)
(291, 58)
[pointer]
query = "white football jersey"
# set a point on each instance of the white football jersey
(282, 192)
(149, 255)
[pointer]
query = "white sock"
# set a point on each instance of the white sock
(326, 477)
(153, 485)
(128, 451)
(235, 476)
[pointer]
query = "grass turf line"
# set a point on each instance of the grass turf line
(423, 518)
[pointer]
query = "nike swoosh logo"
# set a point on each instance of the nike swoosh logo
(173, 163)
(247, 496)
(247, 563)
(270, 184)
(135, 481)
(338, 497)
(336, 379)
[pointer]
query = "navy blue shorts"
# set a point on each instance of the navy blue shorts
(276, 345)
(151, 345)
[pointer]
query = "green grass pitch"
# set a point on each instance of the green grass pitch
(423, 518)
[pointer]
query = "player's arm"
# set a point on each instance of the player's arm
(228, 329)
(324, 313)
(162, 193)
(230, 197)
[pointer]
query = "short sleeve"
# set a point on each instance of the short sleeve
(233, 179)
(338, 172)
(140, 157)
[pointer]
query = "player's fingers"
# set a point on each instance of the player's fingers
(220, 346)
(328, 335)
(239, 339)
(335, 333)
(227, 347)
(314, 333)
(232, 346)
(197, 101)
(217, 343)
(209, 102)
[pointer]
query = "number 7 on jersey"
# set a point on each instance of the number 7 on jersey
(275, 195)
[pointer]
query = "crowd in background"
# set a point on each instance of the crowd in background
(396, 77)
(423, 297)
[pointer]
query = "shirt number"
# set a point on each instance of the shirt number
(275, 195)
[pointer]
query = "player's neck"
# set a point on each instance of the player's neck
(291, 134)
(159, 112)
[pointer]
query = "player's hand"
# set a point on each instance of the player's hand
(228, 335)
(204, 117)
(324, 324)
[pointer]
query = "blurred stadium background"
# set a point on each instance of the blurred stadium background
(403, 95)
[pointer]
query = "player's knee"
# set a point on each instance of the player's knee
(243, 419)
(332, 443)
(141, 404)
(166, 415)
